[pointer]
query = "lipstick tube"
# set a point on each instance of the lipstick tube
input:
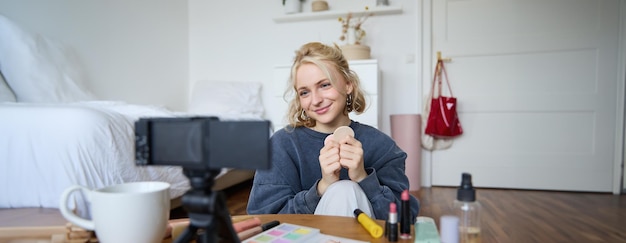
(405, 217)
(392, 223)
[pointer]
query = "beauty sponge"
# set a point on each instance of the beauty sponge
(341, 132)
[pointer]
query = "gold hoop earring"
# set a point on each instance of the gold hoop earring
(303, 116)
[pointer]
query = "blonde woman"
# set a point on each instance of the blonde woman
(312, 171)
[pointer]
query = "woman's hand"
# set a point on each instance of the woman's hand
(329, 163)
(351, 158)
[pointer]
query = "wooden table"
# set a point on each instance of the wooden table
(347, 227)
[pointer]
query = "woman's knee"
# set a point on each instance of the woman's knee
(343, 186)
(346, 189)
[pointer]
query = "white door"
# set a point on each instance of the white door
(537, 86)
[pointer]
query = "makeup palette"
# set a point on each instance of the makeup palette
(288, 233)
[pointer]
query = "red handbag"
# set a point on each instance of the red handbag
(443, 121)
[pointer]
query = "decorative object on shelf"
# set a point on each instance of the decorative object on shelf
(292, 6)
(319, 5)
(356, 52)
(351, 27)
(382, 2)
(353, 33)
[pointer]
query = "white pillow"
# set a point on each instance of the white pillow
(38, 69)
(227, 99)
(6, 94)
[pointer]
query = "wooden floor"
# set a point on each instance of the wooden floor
(508, 215)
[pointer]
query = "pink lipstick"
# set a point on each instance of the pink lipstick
(392, 227)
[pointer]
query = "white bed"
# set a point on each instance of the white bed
(46, 148)
(54, 133)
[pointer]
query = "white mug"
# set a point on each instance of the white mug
(129, 212)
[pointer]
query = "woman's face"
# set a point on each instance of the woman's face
(320, 99)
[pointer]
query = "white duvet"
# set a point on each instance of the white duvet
(45, 148)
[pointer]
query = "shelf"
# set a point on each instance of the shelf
(330, 14)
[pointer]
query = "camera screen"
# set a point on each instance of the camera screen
(203, 143)
(177, 142)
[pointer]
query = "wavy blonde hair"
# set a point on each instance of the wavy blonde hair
(326, 58)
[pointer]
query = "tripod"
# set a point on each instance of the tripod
(207, 211)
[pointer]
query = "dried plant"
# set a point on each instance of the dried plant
(353, 22)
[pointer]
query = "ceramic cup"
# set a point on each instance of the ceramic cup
(130, 212)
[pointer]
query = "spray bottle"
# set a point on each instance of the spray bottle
(468, 210)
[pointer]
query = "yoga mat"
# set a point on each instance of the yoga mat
(406, 130)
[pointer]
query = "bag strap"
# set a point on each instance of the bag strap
(440, 68)
(445, 73)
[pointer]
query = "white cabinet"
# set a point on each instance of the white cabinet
(369, 74)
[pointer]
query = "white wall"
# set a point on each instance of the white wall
(152, 51)
(239, 41)
(136, 51)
